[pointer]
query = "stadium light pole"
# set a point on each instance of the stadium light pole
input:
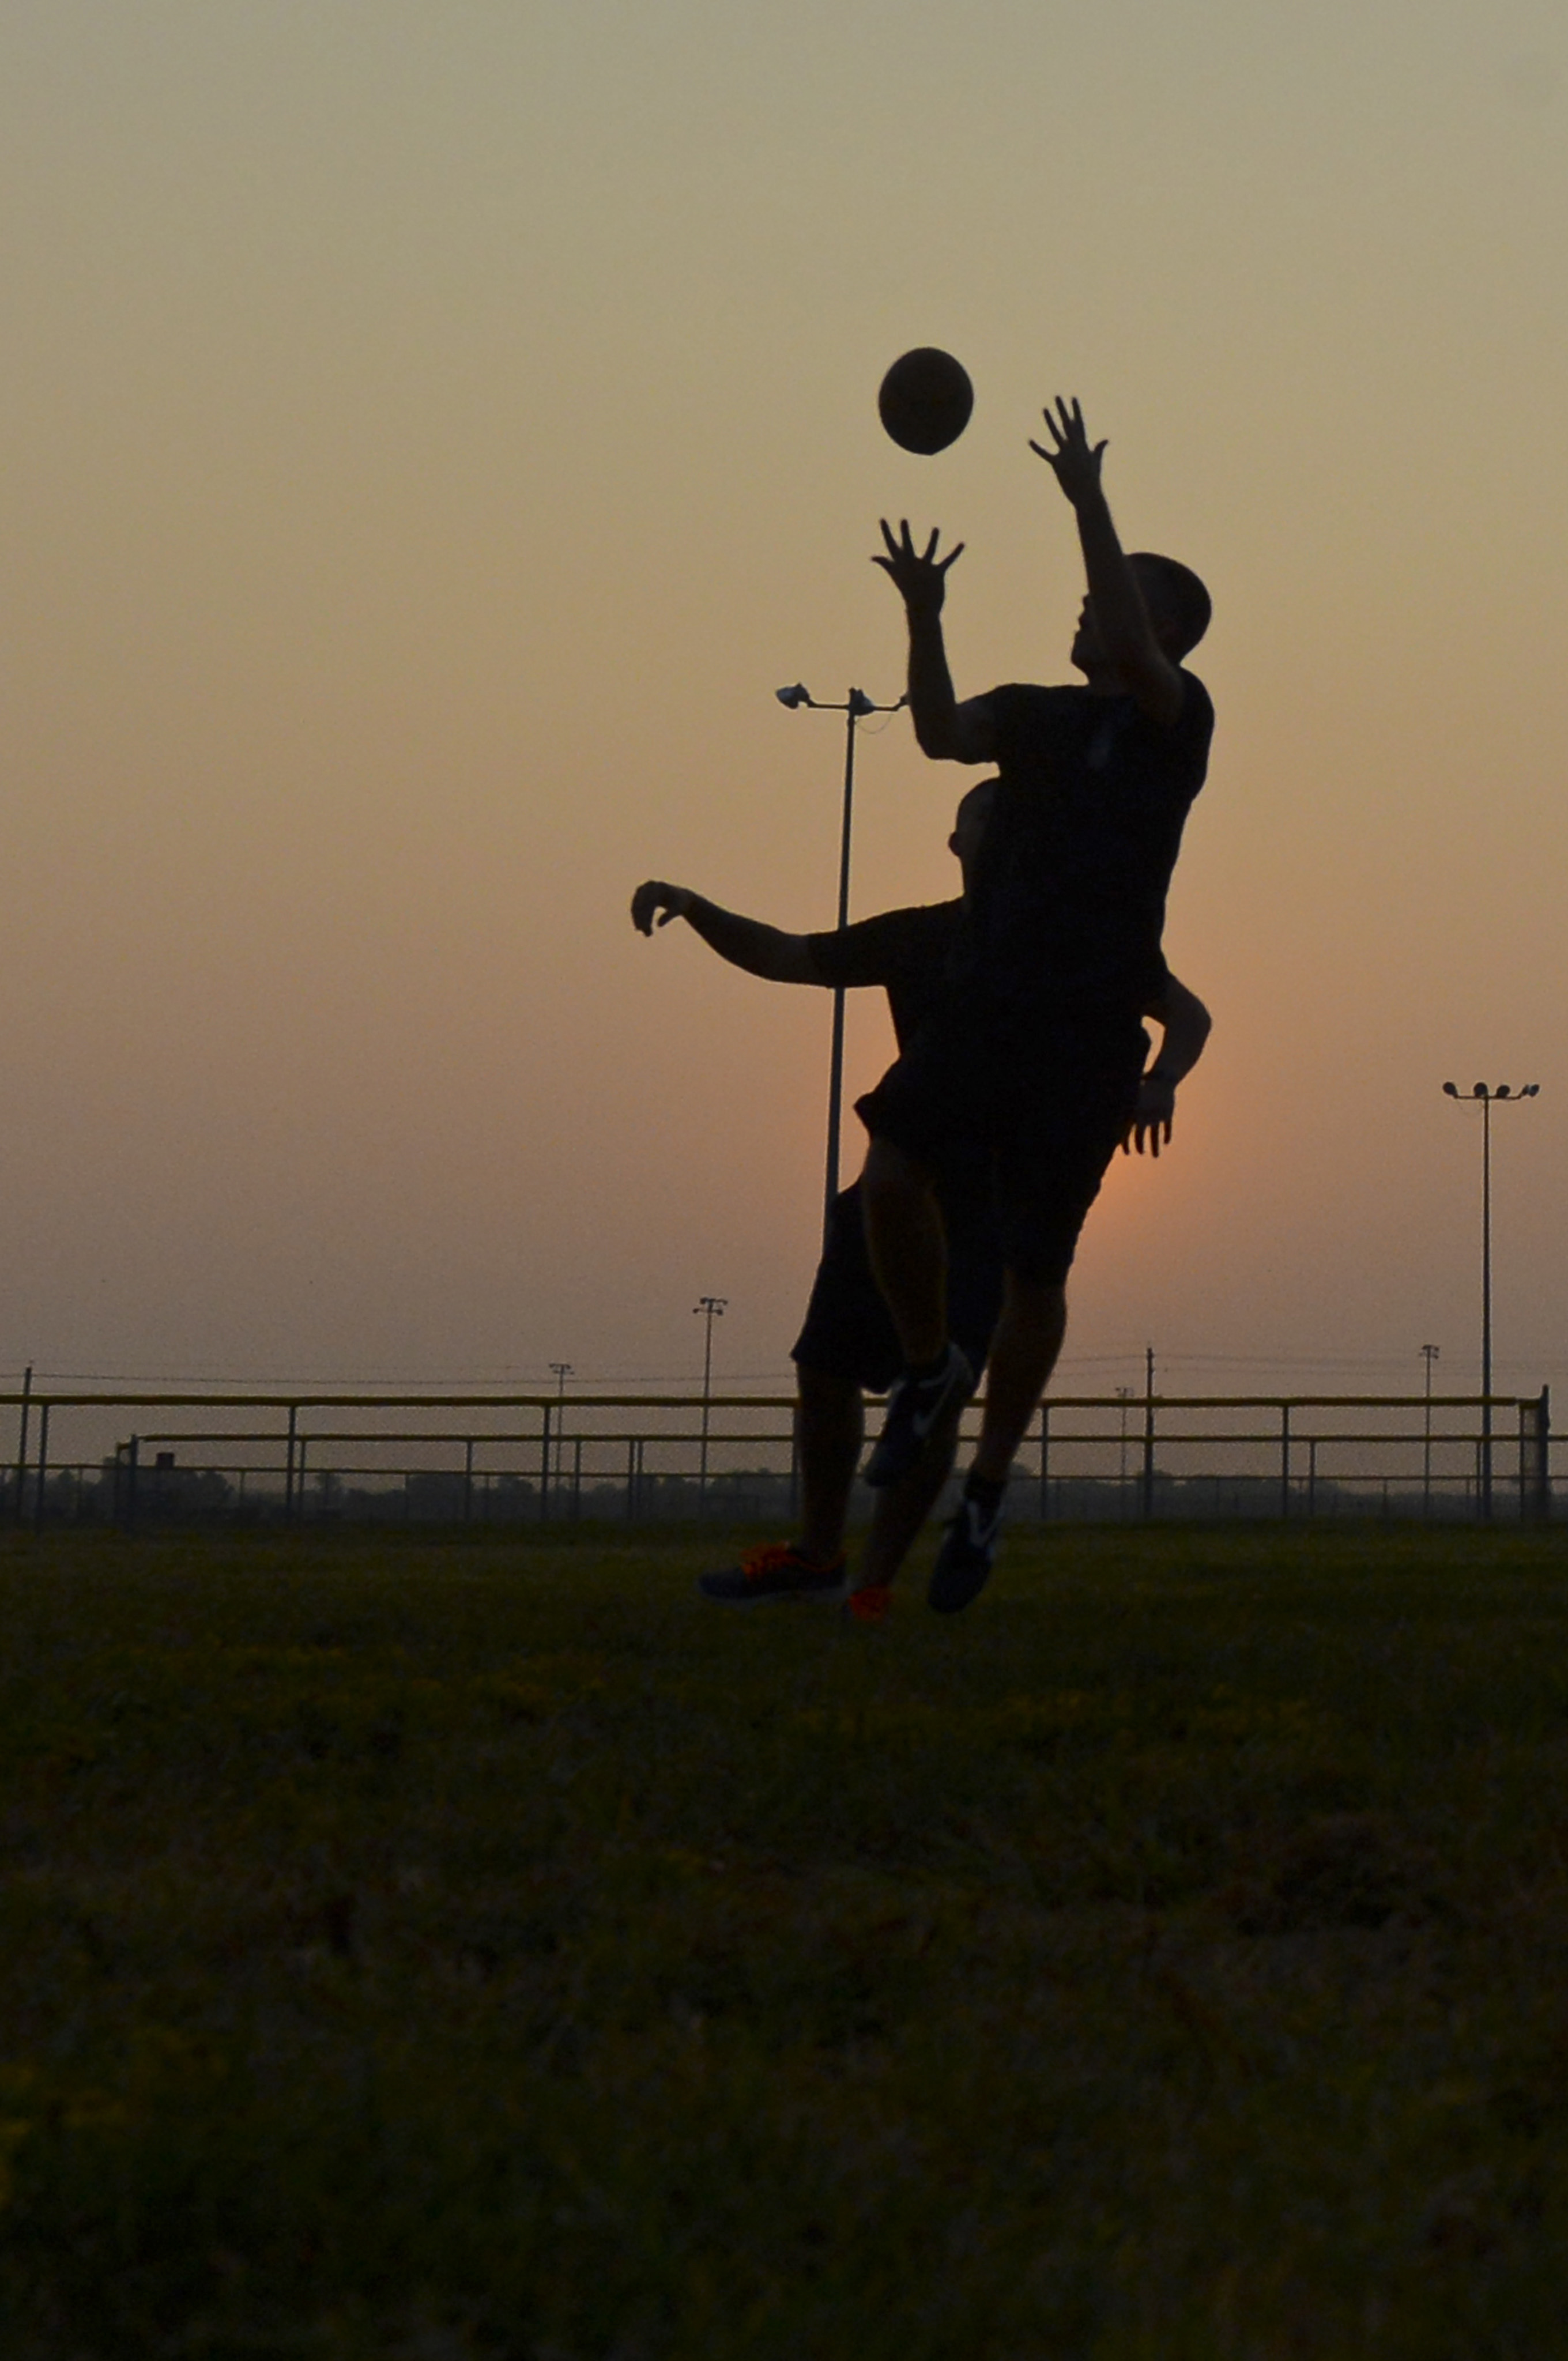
(711, 1307)
(854, 707)
(1486, 1099)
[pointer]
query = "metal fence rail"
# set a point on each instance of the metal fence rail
(468, 1457)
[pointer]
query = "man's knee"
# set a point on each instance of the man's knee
(824, 1391)
(1038, 1304)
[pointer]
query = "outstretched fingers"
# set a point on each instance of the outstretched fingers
(914, 570)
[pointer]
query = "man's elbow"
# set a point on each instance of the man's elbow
(933, 735)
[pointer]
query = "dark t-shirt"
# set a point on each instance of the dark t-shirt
(1067, 906)
(904, 951)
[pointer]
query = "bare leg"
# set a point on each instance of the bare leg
(830, 1428)
(1023, 1354)
(904, 1507)
(908, 1244)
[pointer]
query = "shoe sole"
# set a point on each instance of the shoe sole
(941, 1601)
(950, 1592)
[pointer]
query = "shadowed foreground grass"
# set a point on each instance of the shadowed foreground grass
(445, 1948)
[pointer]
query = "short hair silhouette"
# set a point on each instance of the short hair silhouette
(1181, 603)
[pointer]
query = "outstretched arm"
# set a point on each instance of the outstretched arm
(1187, 1025)
(946, 730)
(744, 942)
(1121, 618)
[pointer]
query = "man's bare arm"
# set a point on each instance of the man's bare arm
(1187, 1024)
(1121, 618)
(944, 729)
(746, 943)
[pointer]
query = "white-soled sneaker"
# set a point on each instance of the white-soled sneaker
(966, 1557)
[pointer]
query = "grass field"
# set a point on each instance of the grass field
(439, 1948)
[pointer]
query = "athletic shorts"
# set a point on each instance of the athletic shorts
(848, 1331)
(1048, 1108)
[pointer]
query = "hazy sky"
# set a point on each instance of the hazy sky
(433, 431)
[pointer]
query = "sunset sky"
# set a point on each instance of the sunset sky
(433, 431)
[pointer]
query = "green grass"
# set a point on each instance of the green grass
(439, 1948)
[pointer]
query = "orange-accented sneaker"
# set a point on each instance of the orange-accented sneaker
(870, 1603)
(774, 1570)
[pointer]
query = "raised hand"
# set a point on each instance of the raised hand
(920, 575)
(1072, 458)
(660, 903)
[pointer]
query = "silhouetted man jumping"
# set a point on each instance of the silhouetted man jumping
(848, 1346)
(1035, 1053)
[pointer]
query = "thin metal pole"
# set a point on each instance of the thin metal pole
(1486, 1308)
(712, 1309)
(467, 1480)
(289, 1464)
(544, 1468)
(1431, 1352)
(22, 1442)
(1148, 1430)
(43, 1467)
(835, 1061)
(706, 1390)
(1284, 1460)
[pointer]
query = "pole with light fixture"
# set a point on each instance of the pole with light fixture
(854, 707)
(1487, 1100)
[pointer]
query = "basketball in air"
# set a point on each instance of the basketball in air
(925, 399)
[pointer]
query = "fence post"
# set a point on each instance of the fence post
(289, 1465)
(133, 1465)
(43, 1467)
(1545, 1436)
(1535, 1446)
(1148, 1433)
(467, 1478)
(1045, 1463)
(576, 1478)
(22, 1442)
(545, 1465)
(1285, 1461)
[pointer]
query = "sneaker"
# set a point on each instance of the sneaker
(916, 1409)
(966, 1557)
(774, 1570)
(870, 1603)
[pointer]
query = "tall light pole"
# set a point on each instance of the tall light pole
(1429, 1353)
(1487, 1099)
(854, 707)
(711, 1308)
